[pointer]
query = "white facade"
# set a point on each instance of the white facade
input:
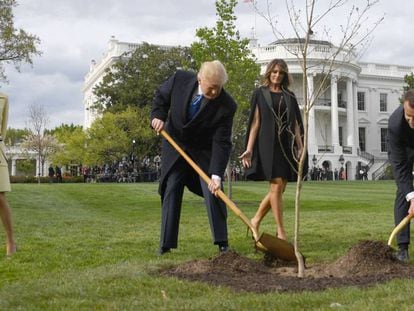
(96, 73)
(16, 153)
(350, 117)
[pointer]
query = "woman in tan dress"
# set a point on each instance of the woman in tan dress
(5, 213)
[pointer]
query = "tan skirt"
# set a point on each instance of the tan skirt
(4, 171)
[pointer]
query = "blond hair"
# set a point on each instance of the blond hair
(213, 71)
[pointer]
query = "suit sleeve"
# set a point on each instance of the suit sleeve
(162, 100)
(222, 144)
(399, 160)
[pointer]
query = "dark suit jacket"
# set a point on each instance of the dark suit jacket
(401, 150)
(206, 138)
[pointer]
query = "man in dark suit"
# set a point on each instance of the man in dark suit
(401, 156)
(198, 114)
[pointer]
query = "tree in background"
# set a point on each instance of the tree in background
(16, 45)
(64, 129)
(38, 140)
(409, 82)
(72, 139)
(26, 166)
(124, 97)
(307, 19)
(132, 80)
(110, 138)
(15, 136)
(105, 141)
(223, 42)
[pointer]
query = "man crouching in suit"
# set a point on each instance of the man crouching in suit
(401, 156)
(198, 114)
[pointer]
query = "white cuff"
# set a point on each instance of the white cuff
(409, 196)
(216, 178)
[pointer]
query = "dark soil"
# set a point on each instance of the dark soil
(368, 262)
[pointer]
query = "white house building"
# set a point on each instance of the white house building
(97, 70)
(347, 124)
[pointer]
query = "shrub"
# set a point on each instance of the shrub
(44, 179)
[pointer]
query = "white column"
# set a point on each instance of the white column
(356, 124)
(350, 114)
(312, 144)
(334, 113)
(13, 167)
(38, 167)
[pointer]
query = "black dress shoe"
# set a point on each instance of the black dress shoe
(402, 255)
(163, 250)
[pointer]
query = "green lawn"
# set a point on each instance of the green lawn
(93, 247)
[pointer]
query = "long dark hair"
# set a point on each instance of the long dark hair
(287, 79)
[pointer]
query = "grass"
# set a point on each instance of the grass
(93, 247)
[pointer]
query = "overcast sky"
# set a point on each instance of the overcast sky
(72, 32)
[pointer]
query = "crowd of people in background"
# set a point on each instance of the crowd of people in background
(148, 170)
(128, 170)
(322, 173)
(325, 173)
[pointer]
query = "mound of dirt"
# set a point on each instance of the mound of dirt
(368, 262)
(366, 258)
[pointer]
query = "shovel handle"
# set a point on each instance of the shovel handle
(207, 179)
(399, 227)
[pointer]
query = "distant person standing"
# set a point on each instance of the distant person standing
(58, 173)
(5, 213)
(401, 156)
(51, 173)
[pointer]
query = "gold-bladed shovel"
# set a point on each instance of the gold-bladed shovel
(399, 227)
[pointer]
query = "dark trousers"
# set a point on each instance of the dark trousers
(171, 207)
(401, 206)
(400, 211)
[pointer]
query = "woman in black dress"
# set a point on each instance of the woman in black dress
(274, 141)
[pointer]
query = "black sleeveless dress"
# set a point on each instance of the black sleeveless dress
(282, 151)
(272, 155)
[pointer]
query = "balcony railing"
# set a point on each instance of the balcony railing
(347, 149)
(325, 102)
(325, 149)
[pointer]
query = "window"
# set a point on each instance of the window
(341, 102)
(383, 102)
(361, 101)
(361, 134)
(384, 132)
(340, 136)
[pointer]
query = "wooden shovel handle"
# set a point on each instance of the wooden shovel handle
(204, 176)
(399, 227)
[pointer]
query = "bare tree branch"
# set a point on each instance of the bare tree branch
(327, 57)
